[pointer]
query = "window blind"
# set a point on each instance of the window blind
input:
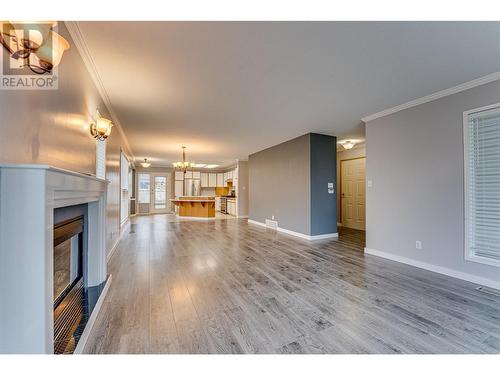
(483, 185)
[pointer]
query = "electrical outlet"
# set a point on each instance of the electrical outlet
(272, 217)
(418, 245)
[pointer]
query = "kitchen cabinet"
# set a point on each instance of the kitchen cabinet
(196, 175)
(179, 188)
(231, 207)
(217, 204)
(189, 174)
(212, 180)
(204, 180)
(220, 179)
(179, 176)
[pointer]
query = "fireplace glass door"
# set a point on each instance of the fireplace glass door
(67, 257)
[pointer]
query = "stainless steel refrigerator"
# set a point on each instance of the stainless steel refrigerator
(192, 188)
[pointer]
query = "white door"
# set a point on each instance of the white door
(160, 202)
(143, 193)
(352, 195)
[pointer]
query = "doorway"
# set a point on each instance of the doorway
(160, 202)
(154, 193)
(352, 193)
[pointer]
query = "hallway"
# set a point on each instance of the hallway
(229, 287)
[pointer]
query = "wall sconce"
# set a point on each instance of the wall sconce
(36, 43)
(145, 163)
(101, 129)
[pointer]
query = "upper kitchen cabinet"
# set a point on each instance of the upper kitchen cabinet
(196, 175)
(179, 176)
(212, 180)
(220, 179)
(204, 180)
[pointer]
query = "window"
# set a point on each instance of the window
(482, 184)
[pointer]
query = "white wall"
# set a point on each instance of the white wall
(415, 160)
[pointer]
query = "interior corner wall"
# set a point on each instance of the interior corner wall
(52, 127)
(242, 192)
(323, 171)
(415, 160)
(279, 185)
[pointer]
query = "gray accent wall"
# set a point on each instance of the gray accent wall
(52, 127)
(279, 185)
(290, 182)
(323, 171)
(415, 162)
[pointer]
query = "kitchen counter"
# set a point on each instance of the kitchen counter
(192, 200)
(195, 207)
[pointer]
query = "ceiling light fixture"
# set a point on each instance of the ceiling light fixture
(101, 129)
(183, 165)
(199, 165)
(347, 144)
(210, 166)
(34, 43)
(145, 163)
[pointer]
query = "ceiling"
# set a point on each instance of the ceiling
(229, 89)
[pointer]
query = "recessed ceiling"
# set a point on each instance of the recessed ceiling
(228, 89)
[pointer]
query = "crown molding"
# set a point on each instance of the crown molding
(437, 95)
(89, 63)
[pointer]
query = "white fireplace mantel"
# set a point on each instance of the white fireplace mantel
(29, 193)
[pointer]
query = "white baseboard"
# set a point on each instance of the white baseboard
(297, 234)
(112, 251)
(243, 217)
(432, 267)
(80, 347)
(115, 245)
(124, 222)
(256, 223)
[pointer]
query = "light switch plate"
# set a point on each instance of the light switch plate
(370, 183)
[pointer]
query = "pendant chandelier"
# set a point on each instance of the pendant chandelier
(183, 165)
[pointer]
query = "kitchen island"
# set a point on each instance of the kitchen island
(195, 207)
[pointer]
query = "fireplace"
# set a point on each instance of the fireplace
(68, 284)
(53, 276)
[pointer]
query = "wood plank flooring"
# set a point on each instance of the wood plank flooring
(230, 287)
